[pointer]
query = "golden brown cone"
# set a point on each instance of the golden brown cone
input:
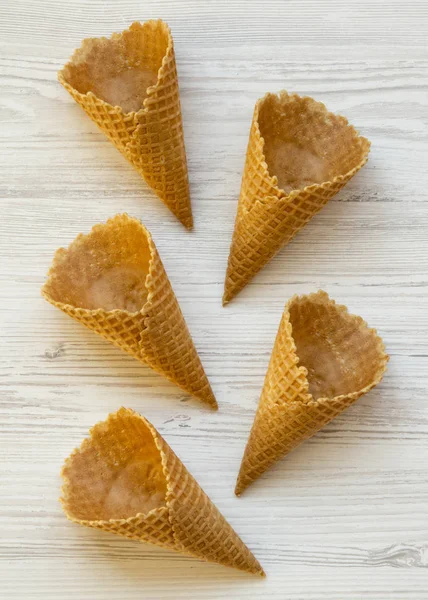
(126, 479)
(299, 156)
(113, 281)
(323, 360)
(128, 86)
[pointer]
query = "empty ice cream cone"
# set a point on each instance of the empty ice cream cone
(125, 479)
(128, 86)
(299, 156)
(323, 360)
(113, 281)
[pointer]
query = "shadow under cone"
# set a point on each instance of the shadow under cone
(128, 86)
(125, 479)
(323, 360)
(113, 282)
(299, 156)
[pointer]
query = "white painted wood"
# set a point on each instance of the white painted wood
(344, 517)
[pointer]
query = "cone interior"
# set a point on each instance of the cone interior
(105, 269)
(119, 70)
(117, 473)
(304, 144)
(341, 354)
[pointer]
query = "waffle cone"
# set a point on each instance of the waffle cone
(299, 156)
(125, 479)
(128, 86)
(323, 360)
(113, 282)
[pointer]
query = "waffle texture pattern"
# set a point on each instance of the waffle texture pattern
(268, 216)
(183, 518)
(151, 138)
(156, 334)
(323, 360)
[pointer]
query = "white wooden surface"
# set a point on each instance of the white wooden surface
(344, 517)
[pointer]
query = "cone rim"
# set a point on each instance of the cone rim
(342, 311)
(76, 241)
(86, 441)
(321, 107)
(151, 90)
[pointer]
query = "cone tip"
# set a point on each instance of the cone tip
(251, 565)
(187, 221)
(227, 296)
(256, 568)
(240, 486)
(208, 397)
(230, 291)
(214, 404)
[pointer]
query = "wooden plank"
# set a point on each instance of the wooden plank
(344, 516)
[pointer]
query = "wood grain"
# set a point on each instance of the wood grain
(343, 517)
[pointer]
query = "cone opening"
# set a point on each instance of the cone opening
(117, 473)
(341, 354)
(105, 269)
(120, 69)
(304, 144)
